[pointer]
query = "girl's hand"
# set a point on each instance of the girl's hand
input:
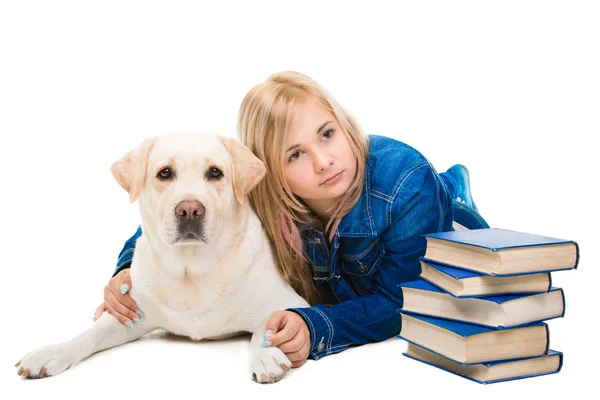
(118, 302)
(288, 331)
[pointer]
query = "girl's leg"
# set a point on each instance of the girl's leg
(466, 215)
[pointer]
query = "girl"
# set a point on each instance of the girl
(345, 212)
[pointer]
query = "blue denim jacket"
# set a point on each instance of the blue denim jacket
(377, 245)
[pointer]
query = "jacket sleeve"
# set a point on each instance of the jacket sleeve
(420, 206)
(126, 254)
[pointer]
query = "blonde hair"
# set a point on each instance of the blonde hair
(267, 114)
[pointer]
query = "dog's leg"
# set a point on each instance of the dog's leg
(269, 364)
(105, 333)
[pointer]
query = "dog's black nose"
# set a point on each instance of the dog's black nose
(190, 210)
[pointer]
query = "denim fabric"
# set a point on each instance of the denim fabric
(126, 254)
(377, 246)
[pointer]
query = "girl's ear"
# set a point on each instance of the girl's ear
(130, 170)
(246, 168)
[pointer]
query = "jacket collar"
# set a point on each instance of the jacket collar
(359, 221)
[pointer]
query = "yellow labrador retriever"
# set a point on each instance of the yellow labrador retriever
(203, 267)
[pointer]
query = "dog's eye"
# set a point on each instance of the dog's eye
(165, 174)
(214, 173)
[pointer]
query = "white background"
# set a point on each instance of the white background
(510, 89)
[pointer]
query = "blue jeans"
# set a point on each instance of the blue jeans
(467, 216)
(464, 214)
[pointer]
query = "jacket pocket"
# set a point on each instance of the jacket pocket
(361, 268)
(365, 263)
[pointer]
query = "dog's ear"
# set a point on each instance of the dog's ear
(130, 170)
(247, 169)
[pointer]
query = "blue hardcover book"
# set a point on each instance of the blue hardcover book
(491, 372)
(473, 344)
(462, 283)
(497, 312)
(501, 252)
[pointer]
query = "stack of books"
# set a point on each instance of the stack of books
(480, 305)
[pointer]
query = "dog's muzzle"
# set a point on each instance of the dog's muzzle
(190, 221)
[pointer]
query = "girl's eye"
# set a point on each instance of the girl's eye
(327, 134)
(294, 156)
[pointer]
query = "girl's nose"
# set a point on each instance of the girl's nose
(322, 161)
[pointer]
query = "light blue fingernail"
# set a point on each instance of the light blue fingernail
(94, 318)
(129, 324)
(265, 343)
(124, 288)
(140, 313)
(137, 321)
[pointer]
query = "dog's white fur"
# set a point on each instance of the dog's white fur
(217, 282)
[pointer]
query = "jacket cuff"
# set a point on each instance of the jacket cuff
(321, 330)
(121, 268)
(124, 260)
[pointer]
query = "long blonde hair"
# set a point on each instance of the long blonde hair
(267, 114)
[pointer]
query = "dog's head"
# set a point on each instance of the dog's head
(188, 182)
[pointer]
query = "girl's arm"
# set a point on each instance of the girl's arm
(126, 254)
(117, 300)
(420, 206)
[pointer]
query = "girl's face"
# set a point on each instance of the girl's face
(319, 163)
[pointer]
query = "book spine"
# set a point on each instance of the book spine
(564, 302)
(560, 362)
(547, 338)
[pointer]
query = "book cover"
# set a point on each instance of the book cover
(480, 373)
(463, 329)
(501, 252)
(470, 304)
(464, 274)
(496, 239)
(423, 332)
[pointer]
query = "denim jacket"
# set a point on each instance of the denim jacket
(377, 246)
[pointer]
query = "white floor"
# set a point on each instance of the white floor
(164, 365)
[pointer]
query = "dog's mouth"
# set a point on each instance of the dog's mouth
(189, 238)
(190, 235)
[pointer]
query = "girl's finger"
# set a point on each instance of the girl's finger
(125, 284)
(101, 308)
(126, 301)
(293, 345)
(124, 314)
(284, 335)
(299, 355)
(120, 317)
(297, 364)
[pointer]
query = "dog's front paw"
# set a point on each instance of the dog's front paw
(269, 365)
(45, 361)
